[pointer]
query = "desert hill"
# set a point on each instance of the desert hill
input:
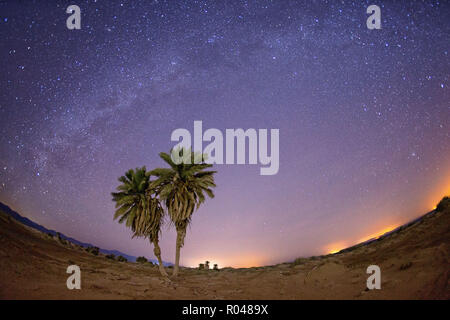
(27, 222)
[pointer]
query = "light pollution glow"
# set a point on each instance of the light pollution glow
(440, 191)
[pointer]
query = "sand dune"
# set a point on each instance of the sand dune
(414, 264)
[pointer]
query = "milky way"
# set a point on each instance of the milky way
(363, 116)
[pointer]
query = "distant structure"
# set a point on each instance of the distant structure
(205, 266)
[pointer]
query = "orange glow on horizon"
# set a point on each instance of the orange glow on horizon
(379, 233)
(248, 260)
(336, 247)
(442, 190)
(241, 261)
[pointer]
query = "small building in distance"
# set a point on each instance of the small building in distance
(205, 266)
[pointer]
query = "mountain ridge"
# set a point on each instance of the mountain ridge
(30, 223)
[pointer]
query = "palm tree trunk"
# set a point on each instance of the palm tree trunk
(181, 233)
(157, 252)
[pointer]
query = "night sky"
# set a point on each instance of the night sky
(363, 115)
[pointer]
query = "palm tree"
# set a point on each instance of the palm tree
(182, 188)
(139, 210)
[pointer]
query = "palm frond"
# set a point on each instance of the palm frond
(182, 187)
(136, 207)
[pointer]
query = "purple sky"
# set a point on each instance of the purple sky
(363, 117)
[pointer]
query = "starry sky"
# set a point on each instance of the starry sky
(363, 117)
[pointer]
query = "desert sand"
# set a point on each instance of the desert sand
(414, 264)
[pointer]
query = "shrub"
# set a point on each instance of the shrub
(443, 204)
(300, 261)
(93, 250)
(141, 259)
(406, 266)
(121, 259)
(50, 235)
(110, 256)
(60, 239)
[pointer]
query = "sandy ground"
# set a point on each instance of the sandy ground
(414, 264)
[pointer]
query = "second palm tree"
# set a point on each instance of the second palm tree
(182, 188)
